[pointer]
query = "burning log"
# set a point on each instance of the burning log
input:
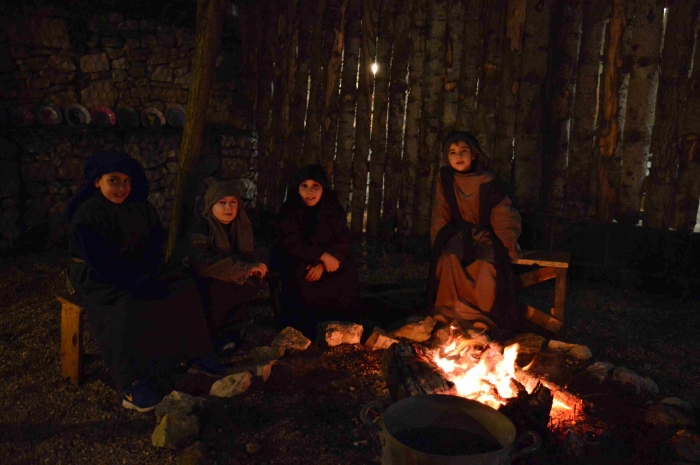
(561, 397)
(409, 371)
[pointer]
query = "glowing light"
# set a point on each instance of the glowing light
(375, 68)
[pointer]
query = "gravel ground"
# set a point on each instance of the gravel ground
(307, 412)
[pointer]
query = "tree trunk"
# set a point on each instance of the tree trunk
(379, 118)
(646, 29)
(413, 118)
(489, 82)
(506, 115)
(285, 70)
(433, 79)
(307, 10)
(342, 170)
(585, 107)
(334, 38)
(266, 158)
(686, 192)
(671, 102)
(527, 167)
(604, 191)
(454, 52)
(566, 39)
(363, 120)
(312, 130)
(397, 108)
(471, 66)
(250, 42)
(210, 18)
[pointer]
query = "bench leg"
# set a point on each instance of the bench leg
(559, 294)
(71, 342)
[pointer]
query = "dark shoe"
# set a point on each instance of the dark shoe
(207, 365)
(140, 397)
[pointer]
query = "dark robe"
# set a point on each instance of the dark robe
(144, 320)
(305, 233)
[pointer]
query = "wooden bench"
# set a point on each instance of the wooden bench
(552, 265)
(72, 349)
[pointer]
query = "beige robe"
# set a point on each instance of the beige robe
(468, 293)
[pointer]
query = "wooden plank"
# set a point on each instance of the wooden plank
(544, 258)
(542, 319)
(537, 276)
(472, 61)
(559, 294)
(71, 340)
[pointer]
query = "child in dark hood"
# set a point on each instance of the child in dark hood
(221, 253)
(144, 324)
(474, 232)
(319, 280)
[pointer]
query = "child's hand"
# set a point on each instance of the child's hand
(330, 263)
(313, 273)
(259, 270)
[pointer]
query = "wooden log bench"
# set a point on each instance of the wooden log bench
(551, 265)
(72, 349)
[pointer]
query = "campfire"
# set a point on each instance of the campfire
(469, 364)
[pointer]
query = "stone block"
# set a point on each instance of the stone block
(63, 98)
(175, 431)
(180, 402)
(62, 78)
(100, 92)
(232, 385)
(290, 338)
(141, 92)
(94, 63)
(159, 56)
(39, 83)
(162, 74)
(138, 54)
(185, 80)
(415, 328)
(71, 168)
(379, 340)
(118, 76)
(120, 63)
(232, 168)
(335, 333)
(41, 32)
(168, 94)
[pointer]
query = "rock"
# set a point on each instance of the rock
(100, 92)
(71, 168)
(196, 454)
(416, 328)
(41, 32)
(178, 402)
(528, 343)
(679, 403)
(335, 333)
(264, 370)
(232, 385)
(641, 386)
(162, 74)
(686, 444)
(62, 63)
(94, 63)
(379, 340)
(600, 370)
(668, 416)
(232, 168)
(290, 338)
(575, 350)
(175, 431)
(253, 448)
(266, 354)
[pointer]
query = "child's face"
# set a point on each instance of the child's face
(460, 156)
(225, 210)
(310, 192)
(114, 186)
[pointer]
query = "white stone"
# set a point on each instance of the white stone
(415, 328)
(378, 340)
(668, 416)
(641, 385)
(335, 333)
(600, 370)
(679, 403)
(180, 402)
(231, 385)
(580, 352)
(290, 338)
(175, 431)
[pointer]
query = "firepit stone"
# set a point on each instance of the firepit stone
(600, 370)
(641, 386)
(335, 333)
(178, 401)
(175, 431)
(415, 328)
(379, 340)
(232, 385)
(686, 444)
(575, 350)
(265, 354)
(290, 338)
(669, 417)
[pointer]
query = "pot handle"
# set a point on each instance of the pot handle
(374, 405)
(536, 443)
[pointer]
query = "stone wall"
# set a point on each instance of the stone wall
(41, 169)
(55, 56)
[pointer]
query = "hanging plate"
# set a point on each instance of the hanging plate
(48, 114)
(20, 117)
(127, 117)
(152, 118)
(175, 114)
(103, 117)
(77, 115)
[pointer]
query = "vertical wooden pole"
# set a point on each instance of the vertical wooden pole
(472, 62)
(559, 294)
(210, 18)
(71, 341)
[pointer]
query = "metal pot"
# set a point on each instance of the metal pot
(446, 430)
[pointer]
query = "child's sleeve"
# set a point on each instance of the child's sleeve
(209, 264)
(505, 221)
(291, 238)
(441, 212)
(341, 247)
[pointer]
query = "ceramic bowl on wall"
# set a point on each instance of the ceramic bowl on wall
(175, 114)
(77, 115)
(19, 116)
(152, 118)
(48, 114)
(103, 117)
(127, 117)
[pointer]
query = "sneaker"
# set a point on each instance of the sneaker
(207, 365)
(140, 397)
